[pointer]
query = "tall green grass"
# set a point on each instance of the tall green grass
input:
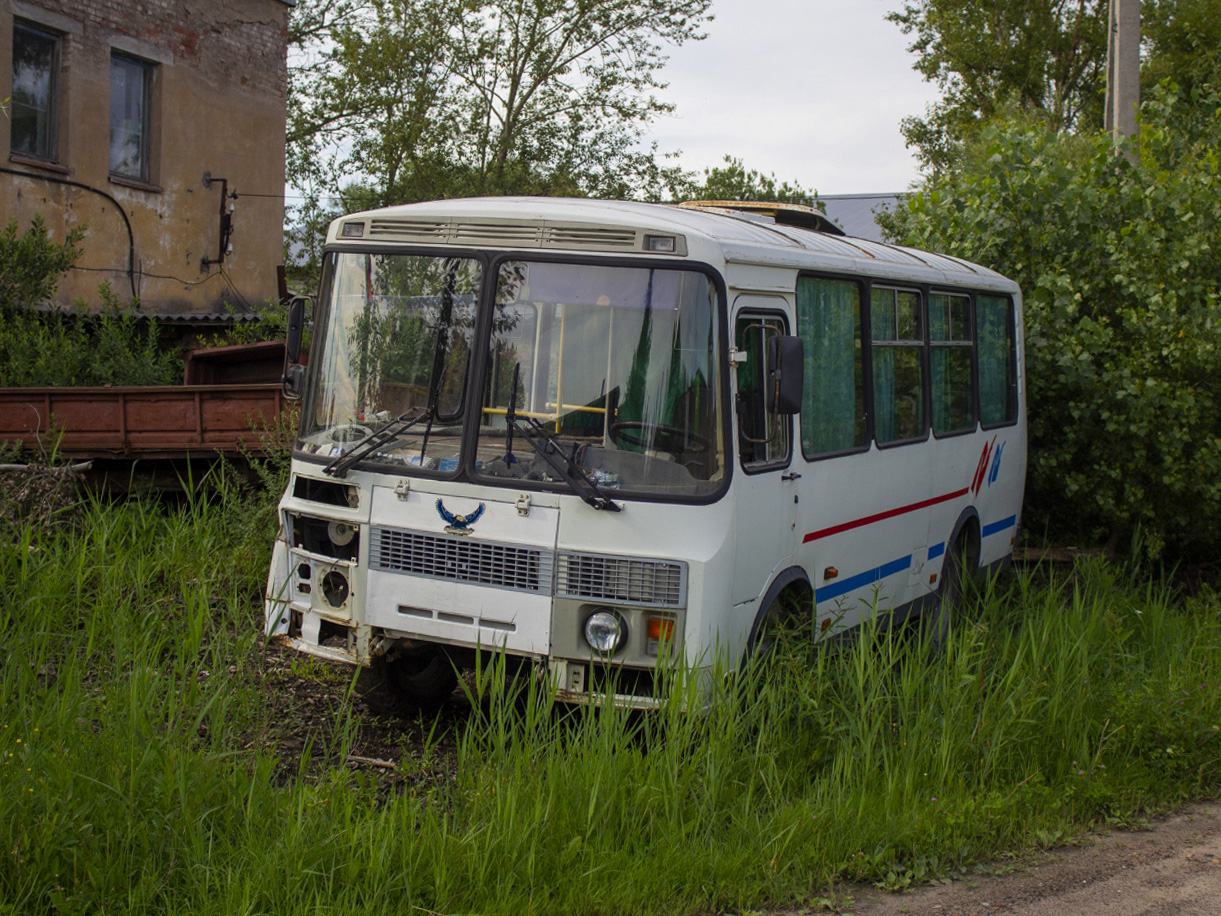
(133, 780)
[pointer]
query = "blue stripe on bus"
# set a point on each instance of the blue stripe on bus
(1000, 526)
(936, 550)
(827, 592)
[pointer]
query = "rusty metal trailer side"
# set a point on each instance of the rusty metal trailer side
(165, 421)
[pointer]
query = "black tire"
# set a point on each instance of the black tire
(958, 576)
(422, 679)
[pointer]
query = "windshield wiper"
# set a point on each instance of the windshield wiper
(544, 446)
(372, 442)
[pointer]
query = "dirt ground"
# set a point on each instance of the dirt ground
(1172, 867)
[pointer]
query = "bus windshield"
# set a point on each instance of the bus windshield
(393, 342)
(615, 371)
(614, 368)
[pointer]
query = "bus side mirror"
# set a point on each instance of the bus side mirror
(785, 368)
(296, 327)
(293, 379)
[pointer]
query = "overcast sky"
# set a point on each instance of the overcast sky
(811, 90)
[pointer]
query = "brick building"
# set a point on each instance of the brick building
(158, 125)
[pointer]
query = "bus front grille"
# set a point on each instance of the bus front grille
(621, 580)
(515, 567)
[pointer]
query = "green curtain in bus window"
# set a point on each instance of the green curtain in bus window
(997, 360)
(832, 407)
(949, 362)
(898, 395)
(898, 390)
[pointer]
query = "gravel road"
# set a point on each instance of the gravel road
(1172, 867)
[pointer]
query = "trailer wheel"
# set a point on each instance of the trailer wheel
(958, 576)
(421, 678)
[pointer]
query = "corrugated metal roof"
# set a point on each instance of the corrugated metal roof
(203, 317)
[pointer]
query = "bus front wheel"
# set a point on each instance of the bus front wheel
(421, 678)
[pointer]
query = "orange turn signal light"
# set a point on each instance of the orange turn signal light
(660, 629)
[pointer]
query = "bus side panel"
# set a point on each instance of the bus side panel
(861, 528)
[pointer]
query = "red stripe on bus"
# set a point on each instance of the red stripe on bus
(979, 468)
(982, 470)
(882, 516)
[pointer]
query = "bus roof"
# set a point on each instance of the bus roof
(624, 227)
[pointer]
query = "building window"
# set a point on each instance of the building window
(35, 98)
(130, 91)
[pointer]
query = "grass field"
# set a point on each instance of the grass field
(133, 777)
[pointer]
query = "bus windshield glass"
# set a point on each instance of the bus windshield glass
(613, 369)
(392, 346)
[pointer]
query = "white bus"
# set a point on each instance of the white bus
(605, 436)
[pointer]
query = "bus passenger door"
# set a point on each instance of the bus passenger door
(765, 491)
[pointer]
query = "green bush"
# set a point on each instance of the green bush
(115, 346)
(1119, 260)
(31, 264)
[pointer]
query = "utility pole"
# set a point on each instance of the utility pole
(1123, 68)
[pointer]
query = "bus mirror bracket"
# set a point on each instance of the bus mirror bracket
(785, 367)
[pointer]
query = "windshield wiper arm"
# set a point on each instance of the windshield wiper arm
(563, 464)
(374, 441)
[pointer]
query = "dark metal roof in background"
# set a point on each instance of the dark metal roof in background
(854, 213)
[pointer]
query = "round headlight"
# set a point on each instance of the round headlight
(605, 631)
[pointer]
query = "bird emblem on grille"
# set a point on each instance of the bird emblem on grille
(459, 524)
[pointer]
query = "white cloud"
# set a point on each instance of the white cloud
(812, 90)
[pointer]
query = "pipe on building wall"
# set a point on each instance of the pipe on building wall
(131, 237)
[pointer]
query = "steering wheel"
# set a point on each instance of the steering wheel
(348, 432)
(657, 436)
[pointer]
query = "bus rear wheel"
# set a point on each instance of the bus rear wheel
(421, 678)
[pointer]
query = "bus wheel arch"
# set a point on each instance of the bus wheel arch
(960, 571)
(789, 589)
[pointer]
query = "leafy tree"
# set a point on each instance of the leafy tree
(1182, 44)
(394, 101)
(992, 59)
(1120, 264)
(418, 99)
(734, 181)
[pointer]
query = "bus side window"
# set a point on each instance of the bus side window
(833, 399)
(898, 364)
(950, 362)
(997, 342)
(763, 438)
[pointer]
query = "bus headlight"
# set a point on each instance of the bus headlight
(606, 631)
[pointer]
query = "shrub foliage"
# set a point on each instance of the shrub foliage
(115, 346)
(1118, 252)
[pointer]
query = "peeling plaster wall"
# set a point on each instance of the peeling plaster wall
(218, 106)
